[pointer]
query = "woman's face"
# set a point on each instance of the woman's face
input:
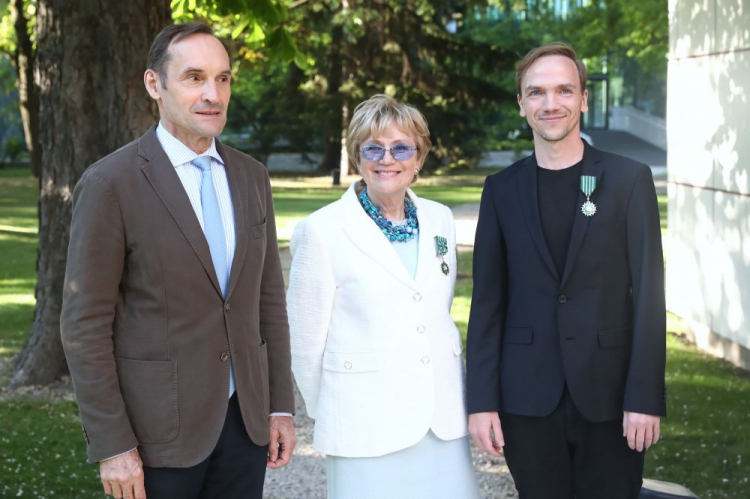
(389, 177)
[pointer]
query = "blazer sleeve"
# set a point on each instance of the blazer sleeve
(310, 303)
(488, 308)
(274, 325)
(96, 258)
(645, 386)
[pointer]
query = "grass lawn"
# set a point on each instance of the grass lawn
(18, 243)
(42, 452)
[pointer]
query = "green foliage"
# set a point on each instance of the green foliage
(258, 27)
(11, 131)
(298, 63)
(627, 40)
(346, 54)
(7, 30)
(12, 147)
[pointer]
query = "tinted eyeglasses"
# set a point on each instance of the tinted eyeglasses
(399, 152)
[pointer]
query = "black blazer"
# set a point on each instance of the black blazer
(600, 327)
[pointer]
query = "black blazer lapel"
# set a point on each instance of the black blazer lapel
(529, 200)
(165, 182)
(592, 165)
(238, 189)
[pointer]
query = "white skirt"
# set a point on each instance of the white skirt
(431, 469)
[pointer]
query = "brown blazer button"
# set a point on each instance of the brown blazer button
(224, 356)
(227, 307)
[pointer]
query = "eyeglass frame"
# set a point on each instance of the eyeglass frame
(410, 148)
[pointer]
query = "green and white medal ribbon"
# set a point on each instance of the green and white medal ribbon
(588, 185)
(441, 248)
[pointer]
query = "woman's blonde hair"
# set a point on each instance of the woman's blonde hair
(377, 113)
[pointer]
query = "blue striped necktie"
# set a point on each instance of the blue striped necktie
(213, 228)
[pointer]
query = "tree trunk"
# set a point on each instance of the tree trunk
(332, 146)
(90, 61)
(28, 97)
(346, 112)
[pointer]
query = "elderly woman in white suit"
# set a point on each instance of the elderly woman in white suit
(375, 352)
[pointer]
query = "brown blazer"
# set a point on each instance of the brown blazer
(147, 334)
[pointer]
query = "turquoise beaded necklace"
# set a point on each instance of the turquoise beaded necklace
(394, 232)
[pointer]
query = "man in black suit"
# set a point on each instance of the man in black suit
(567, 333)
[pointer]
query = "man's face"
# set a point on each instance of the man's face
(193, 103)
(552, 100)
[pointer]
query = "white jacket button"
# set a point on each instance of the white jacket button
(425, 360)
(347, 365)
(420, 329)
(417, 297)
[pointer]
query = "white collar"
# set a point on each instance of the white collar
(178, 152)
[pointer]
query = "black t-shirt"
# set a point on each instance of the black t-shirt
(557, 191)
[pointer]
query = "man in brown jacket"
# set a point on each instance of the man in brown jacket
(174, 319)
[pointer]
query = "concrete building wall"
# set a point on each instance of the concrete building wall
(708, 136)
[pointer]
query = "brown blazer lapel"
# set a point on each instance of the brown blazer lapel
(591, 166)
(165, 182)
(238, 188)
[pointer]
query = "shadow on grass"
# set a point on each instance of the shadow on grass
(21, 233)
(15, 320)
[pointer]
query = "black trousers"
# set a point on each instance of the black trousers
(564, 456)
(235, 469)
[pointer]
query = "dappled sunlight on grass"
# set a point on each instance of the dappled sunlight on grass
(7, 351)
(15, 286)
(19, 219)
(17, 236)
(16, 299)
(18, 239)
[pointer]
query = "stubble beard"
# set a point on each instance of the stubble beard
(544, 135)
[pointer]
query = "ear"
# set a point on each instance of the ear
(585, 101)
(153, 84)
(520, 105)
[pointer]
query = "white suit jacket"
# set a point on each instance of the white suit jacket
(375, 353)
